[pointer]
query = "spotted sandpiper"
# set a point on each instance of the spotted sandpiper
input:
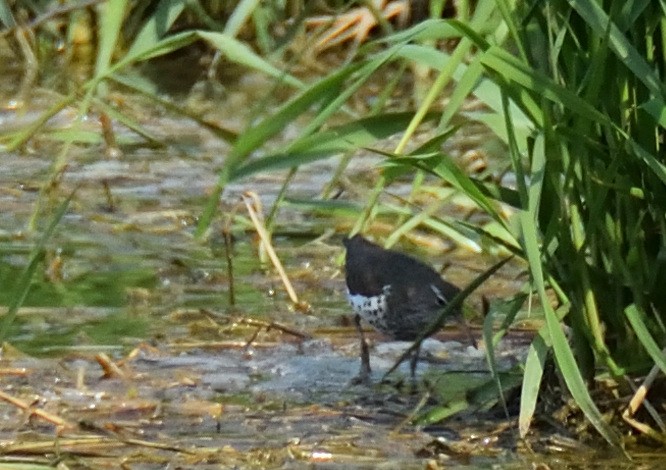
(395, 293)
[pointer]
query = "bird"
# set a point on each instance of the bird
(395, 293)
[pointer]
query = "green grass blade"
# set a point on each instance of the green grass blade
(650, 160)
(6, 16)
(563, 354)
(149, 90)
(488, 323)
(324, 90)
(657, 109)
(31, 129)
(127, 121)
(428, 30)
(240, 53)
(482, 13)
(515, 155)
(512, 69)
(363, 74)
(110, 24)
(534, 365)
(441, 413)
(156, 27)
(36, 255)
(239, 16)
(646, 339)
(167, 45)
(517, 31)
(592, 12)
(537, 174)
(449, 171)
(491, 338)
(445, 74)
(351, 136)
(468, 81)
(270, 126)
(415, 220)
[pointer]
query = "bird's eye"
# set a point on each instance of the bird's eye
(441, 300)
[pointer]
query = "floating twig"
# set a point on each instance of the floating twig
(45, 415)
(268, 325)
(276, 326)
(16, 371)
(110, 368)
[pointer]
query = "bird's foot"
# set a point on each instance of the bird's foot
(363, 377)
(361, 380)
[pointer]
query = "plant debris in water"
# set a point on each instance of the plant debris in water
(278, 399)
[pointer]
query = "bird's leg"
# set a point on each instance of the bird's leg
(468, 332)
(364, 373)
(413, 361)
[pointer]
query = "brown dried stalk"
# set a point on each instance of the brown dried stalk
(639, 400)
(251, 201)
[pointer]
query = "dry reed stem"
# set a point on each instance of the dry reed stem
(251, 201)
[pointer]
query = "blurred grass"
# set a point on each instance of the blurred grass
(23, 284)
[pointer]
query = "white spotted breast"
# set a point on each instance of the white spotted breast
(373, 310)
